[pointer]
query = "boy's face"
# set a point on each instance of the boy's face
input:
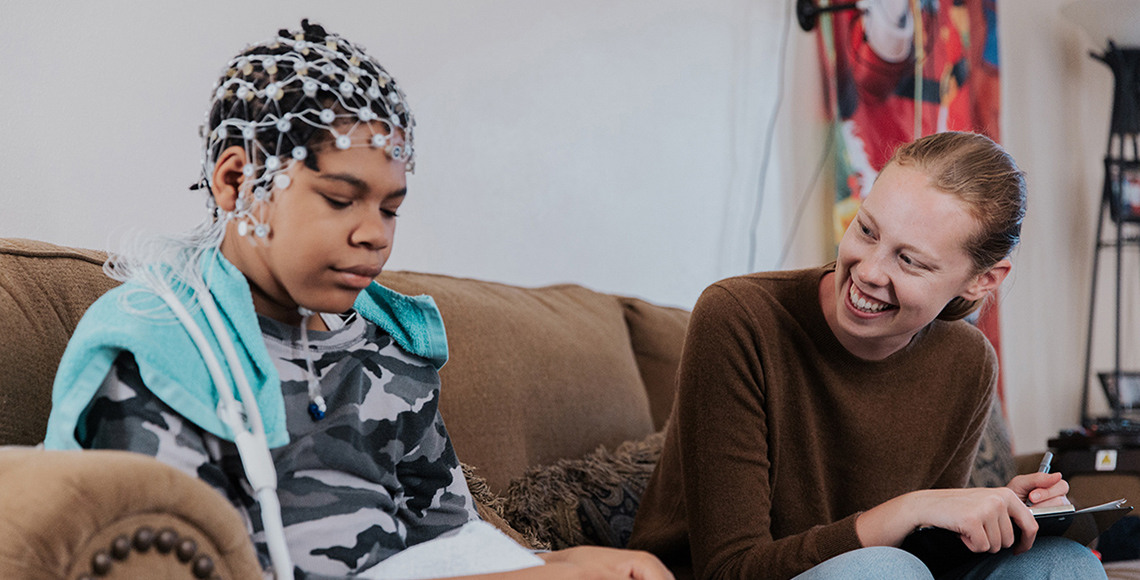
(331, 231)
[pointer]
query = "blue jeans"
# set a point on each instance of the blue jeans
(874, 563)
(1049, 558)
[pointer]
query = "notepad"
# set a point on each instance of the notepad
(1080, 525)
(942, 550)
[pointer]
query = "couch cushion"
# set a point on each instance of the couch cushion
(535, 375)
(657, 333)
(44, 291)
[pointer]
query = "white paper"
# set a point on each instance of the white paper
(475, 548)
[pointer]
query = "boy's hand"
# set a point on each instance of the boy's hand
(609, 563)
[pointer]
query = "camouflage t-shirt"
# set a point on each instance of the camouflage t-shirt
(374, 476)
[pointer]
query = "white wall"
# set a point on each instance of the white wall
(1056, 108)
(614, 144)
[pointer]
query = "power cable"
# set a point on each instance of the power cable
(753, 229)
(806, 196)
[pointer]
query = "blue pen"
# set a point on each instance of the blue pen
(1042, 468)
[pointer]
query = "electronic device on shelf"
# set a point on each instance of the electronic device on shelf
(1103, 432)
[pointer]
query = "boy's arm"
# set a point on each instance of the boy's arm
(435, 495)
(125, 415)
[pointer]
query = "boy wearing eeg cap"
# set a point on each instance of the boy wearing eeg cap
(263, 329)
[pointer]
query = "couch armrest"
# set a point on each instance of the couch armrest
(113, 514)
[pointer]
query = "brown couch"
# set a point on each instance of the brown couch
(535, 376)
(538, 380)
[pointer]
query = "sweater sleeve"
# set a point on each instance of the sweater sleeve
(125, 415)
(435, 496)
(958, 469)
(723, 440)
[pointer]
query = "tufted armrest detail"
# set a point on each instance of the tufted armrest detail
(113, 514)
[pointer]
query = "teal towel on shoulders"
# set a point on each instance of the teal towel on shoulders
(133, 318)
(414, 322)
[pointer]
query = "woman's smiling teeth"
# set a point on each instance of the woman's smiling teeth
(866, 303)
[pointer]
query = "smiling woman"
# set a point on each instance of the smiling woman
(901, 262)
(847, 401)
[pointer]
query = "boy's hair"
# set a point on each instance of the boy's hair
(283, 100)
(286, 98)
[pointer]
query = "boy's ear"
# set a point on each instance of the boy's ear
(228, 177)
(987, 281)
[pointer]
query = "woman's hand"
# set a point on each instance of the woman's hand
(983, 517)
(607, 563)
(1043, 489)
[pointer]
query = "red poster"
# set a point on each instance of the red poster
(897, 70)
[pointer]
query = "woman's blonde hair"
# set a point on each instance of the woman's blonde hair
(979, 172)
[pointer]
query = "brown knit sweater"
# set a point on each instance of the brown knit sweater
(780, 438)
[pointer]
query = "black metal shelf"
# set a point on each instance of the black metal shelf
(1120, 205)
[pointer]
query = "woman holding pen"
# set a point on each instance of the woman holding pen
(823, 415)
